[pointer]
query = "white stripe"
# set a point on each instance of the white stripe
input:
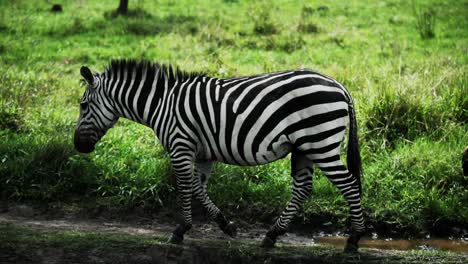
(233, 80)
(150, 98)
(210, 105)
(329, 164)
(336, 138)
(137, 95)
(128, 90)
(217, 92)
(125, 113)
(168, 117)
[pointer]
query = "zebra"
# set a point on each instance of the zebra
(244, 121)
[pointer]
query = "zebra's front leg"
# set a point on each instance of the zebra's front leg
(183, 171)
(202, 173)
(301, 171)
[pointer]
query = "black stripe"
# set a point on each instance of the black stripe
(322, 150)
(322, 135)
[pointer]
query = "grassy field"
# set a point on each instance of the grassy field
(405, 63)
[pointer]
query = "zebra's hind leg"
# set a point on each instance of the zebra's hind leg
(182, 166)
(301, 171)
(202, 173)
(348, 185)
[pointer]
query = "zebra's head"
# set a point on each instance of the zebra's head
(96, 113)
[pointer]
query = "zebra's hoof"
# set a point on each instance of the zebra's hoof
(268, 242)
(351, 248)
(230, 229)
(352, 245)
(175, 239)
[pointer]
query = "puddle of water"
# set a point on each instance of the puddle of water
(456, 245)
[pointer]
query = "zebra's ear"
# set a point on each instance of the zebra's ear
(87, 75)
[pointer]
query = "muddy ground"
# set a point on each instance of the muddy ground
(60, 233)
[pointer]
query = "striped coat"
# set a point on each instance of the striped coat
(244, 121)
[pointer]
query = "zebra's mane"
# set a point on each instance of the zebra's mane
(166, 71)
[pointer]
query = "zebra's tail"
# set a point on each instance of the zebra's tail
(353, 158)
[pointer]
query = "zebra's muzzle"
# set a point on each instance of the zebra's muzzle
(83, 146)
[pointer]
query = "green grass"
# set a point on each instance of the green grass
(406, 70)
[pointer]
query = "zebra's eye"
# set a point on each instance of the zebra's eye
(84, 106)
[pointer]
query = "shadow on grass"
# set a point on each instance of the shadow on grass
(181, 24)
(136, 13)
(44, 171)
(34, 167)
(139, 23)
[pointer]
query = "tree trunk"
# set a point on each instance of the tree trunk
(123, 7)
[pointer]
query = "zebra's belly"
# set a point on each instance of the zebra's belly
(277, 151)
(260, 159)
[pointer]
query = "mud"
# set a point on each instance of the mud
(455, 245)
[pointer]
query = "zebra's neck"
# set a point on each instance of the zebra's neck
(148, 97)
(139, 94)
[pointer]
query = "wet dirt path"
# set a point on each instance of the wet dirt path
(378, 251)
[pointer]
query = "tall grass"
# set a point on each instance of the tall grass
(426, 21)
(415, 105)
(423, 182)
